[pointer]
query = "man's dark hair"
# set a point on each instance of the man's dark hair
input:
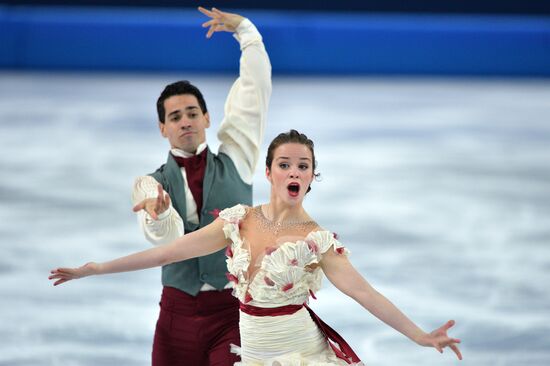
(179, 88)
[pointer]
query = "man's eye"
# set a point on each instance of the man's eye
(193, 115)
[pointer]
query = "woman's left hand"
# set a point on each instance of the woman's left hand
(439, 339)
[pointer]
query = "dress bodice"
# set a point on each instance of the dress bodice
(286, 272)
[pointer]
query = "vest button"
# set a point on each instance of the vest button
(204, 276)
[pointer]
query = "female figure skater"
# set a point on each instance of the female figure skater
(276, 254)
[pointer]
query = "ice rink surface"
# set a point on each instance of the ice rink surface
(439, 187)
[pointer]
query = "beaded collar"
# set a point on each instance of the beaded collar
(276, 226)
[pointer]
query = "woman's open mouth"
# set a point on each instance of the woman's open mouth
(293, 189)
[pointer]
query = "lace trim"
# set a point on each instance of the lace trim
(233, 214)
(287, 275)
(321, 241)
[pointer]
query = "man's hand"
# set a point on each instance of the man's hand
(221, 21)
(154, 206)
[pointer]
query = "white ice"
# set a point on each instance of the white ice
(440, 188)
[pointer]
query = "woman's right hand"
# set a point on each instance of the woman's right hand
(62, 275)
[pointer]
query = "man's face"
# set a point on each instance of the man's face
(184, 123)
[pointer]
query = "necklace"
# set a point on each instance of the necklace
(276, 226)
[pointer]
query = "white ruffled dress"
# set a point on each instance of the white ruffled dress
(286, 275)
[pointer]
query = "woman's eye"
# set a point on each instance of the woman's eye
(303, 167)
(283, 165)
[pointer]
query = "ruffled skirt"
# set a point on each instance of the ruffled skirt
(283, 340)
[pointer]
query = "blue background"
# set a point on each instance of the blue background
(299, 42)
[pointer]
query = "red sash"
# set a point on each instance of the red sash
(281, 310)
(337, 343)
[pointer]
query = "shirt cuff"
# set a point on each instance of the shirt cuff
(161, 217)
(165, 214)
(144, 187)
(247, 33)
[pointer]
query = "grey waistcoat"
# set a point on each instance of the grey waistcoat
(222, 188)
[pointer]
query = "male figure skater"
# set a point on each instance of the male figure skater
(199, 317)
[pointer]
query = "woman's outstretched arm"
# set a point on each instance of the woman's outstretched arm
(345, 277)
(205, 241)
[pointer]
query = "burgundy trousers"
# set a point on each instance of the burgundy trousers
(196, 330)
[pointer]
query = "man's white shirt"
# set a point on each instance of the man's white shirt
(240, 135)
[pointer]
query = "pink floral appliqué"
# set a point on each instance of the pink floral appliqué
(294, 262)
(215, 212)
(287, 287)
(229, 252)
(340, 250)
(232, 278)
(268, 281)
(312, 246)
